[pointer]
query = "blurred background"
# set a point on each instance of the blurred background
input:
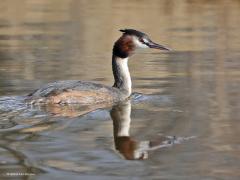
(195, 88)
(42, 41)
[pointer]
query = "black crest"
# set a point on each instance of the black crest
(133, 32)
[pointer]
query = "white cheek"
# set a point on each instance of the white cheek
(138, 43)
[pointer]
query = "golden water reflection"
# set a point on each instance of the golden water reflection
(43, 41)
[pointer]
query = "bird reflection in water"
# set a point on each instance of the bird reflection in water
(130, 148)
(127, 146)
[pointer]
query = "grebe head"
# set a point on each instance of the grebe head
(123, 48)
(132, 40)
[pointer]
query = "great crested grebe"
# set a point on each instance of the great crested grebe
(80, 92)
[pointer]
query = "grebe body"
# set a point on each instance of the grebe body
(80, 92)
(76, 92)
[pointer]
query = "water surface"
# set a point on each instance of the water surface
(184, 125)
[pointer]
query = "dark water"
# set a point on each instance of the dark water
(185, 126)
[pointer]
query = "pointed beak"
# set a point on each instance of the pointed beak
(154, 45)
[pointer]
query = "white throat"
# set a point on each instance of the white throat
(121, 74)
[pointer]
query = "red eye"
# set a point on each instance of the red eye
(141, 40)
(144, 42)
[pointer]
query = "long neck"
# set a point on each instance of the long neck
(121, 74)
